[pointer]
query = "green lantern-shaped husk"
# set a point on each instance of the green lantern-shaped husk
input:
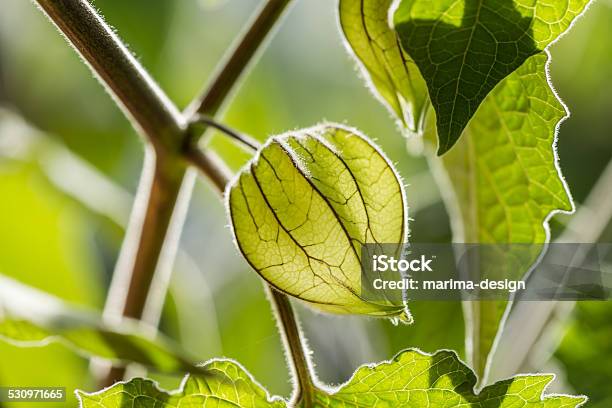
(302, 209)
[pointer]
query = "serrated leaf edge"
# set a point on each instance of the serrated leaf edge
(450, 200)
(270, 398)
(331, 390)
(552, 213)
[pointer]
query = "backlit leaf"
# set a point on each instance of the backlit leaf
(35, 319)
(391, 72)
(303, 207)
(229, 386)
(419, 380)
(504, 182)
(412, 379)
(464, 48)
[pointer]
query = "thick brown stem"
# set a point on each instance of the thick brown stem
(152, 211)
(163, 128)
(145, 245)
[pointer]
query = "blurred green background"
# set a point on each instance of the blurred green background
(69, 165)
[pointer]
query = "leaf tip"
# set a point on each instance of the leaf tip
(404, 317)
(443, 148)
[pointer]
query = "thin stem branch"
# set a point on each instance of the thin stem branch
(296, 349)
(238, 59)
(245, 140)
(233, 67)
(211, 166)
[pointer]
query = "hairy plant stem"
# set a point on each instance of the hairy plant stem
(238, 59)
(151, 111)
(147, 248)
(296, 349)
(245, 140)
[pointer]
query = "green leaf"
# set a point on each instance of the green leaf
(411, 379)
(419, 380)
(391, 72)
(35, 319)
(464, 48)
(504, 183)
(504, 172)
(303, 207)
(230, 386)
